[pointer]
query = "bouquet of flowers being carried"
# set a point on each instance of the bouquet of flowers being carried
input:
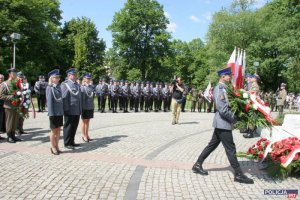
(251, 111)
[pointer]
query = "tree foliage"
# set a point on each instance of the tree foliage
(140, 37)
(82, 48)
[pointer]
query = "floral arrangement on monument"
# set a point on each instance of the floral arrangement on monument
(252, 112)
(257, 150)
(282, 158)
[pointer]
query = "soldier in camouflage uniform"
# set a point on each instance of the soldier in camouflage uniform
(194, 95)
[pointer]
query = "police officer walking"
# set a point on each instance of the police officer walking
(40, 90)
(223, 124)
(71, 95)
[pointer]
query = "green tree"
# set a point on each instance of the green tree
(140, 36)
(38, 23)
(82, 48)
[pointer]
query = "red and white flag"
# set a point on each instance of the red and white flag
(208, 93)
(231, 61)
(238, 79)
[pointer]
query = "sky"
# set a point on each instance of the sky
(189, 19)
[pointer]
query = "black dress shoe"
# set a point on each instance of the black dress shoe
(85, 139)
(197, 168)
(54, 152)
(10, 140)
(241, 178)
(76, 145)
(17, 139)
(69, 147)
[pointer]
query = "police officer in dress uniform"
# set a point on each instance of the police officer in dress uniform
(156, 97)
(136, 95)
(223, 124)
(131, 99)
(71, 95)
(146, 93)
(99, 94)
(120, 91)
(11, 113)
(108, 94)
(164, 94)
(55, 109)
(87, 99)
(142, 100)
(40, 90)
(126, 95)
(151, 100)
(114, 96)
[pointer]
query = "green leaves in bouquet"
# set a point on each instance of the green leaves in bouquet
(249, 119)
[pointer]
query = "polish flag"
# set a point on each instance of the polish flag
(231, 61)
(238, 79)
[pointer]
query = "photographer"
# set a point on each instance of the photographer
(177, 90)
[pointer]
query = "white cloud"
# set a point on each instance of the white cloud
(207, 16)
(167, 14)
(172, 27)
(194, 18)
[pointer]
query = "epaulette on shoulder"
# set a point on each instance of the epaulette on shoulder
(65, 81)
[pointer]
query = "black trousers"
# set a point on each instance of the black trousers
(102, 102)
(165, 100)
(114, 103)
(224, 136)
(41, 99)
(151, 103)
(142, 103)
(70, 128)
(125, 104)
(147, 103)
(99, 102)
(121, 102)
(156, 104)
(109, 102)
(136, 104)
(131, 102)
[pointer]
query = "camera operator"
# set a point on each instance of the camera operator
(177, 90)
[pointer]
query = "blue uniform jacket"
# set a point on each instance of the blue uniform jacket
(224, 118)
(54, 100)
(71, 95)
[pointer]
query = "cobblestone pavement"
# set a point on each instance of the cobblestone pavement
(132, 156)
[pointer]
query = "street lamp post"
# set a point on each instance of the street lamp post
(256, 64)
(14, 37)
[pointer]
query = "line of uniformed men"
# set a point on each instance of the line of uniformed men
(134, 96)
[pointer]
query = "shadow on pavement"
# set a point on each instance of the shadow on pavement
(96, 143)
